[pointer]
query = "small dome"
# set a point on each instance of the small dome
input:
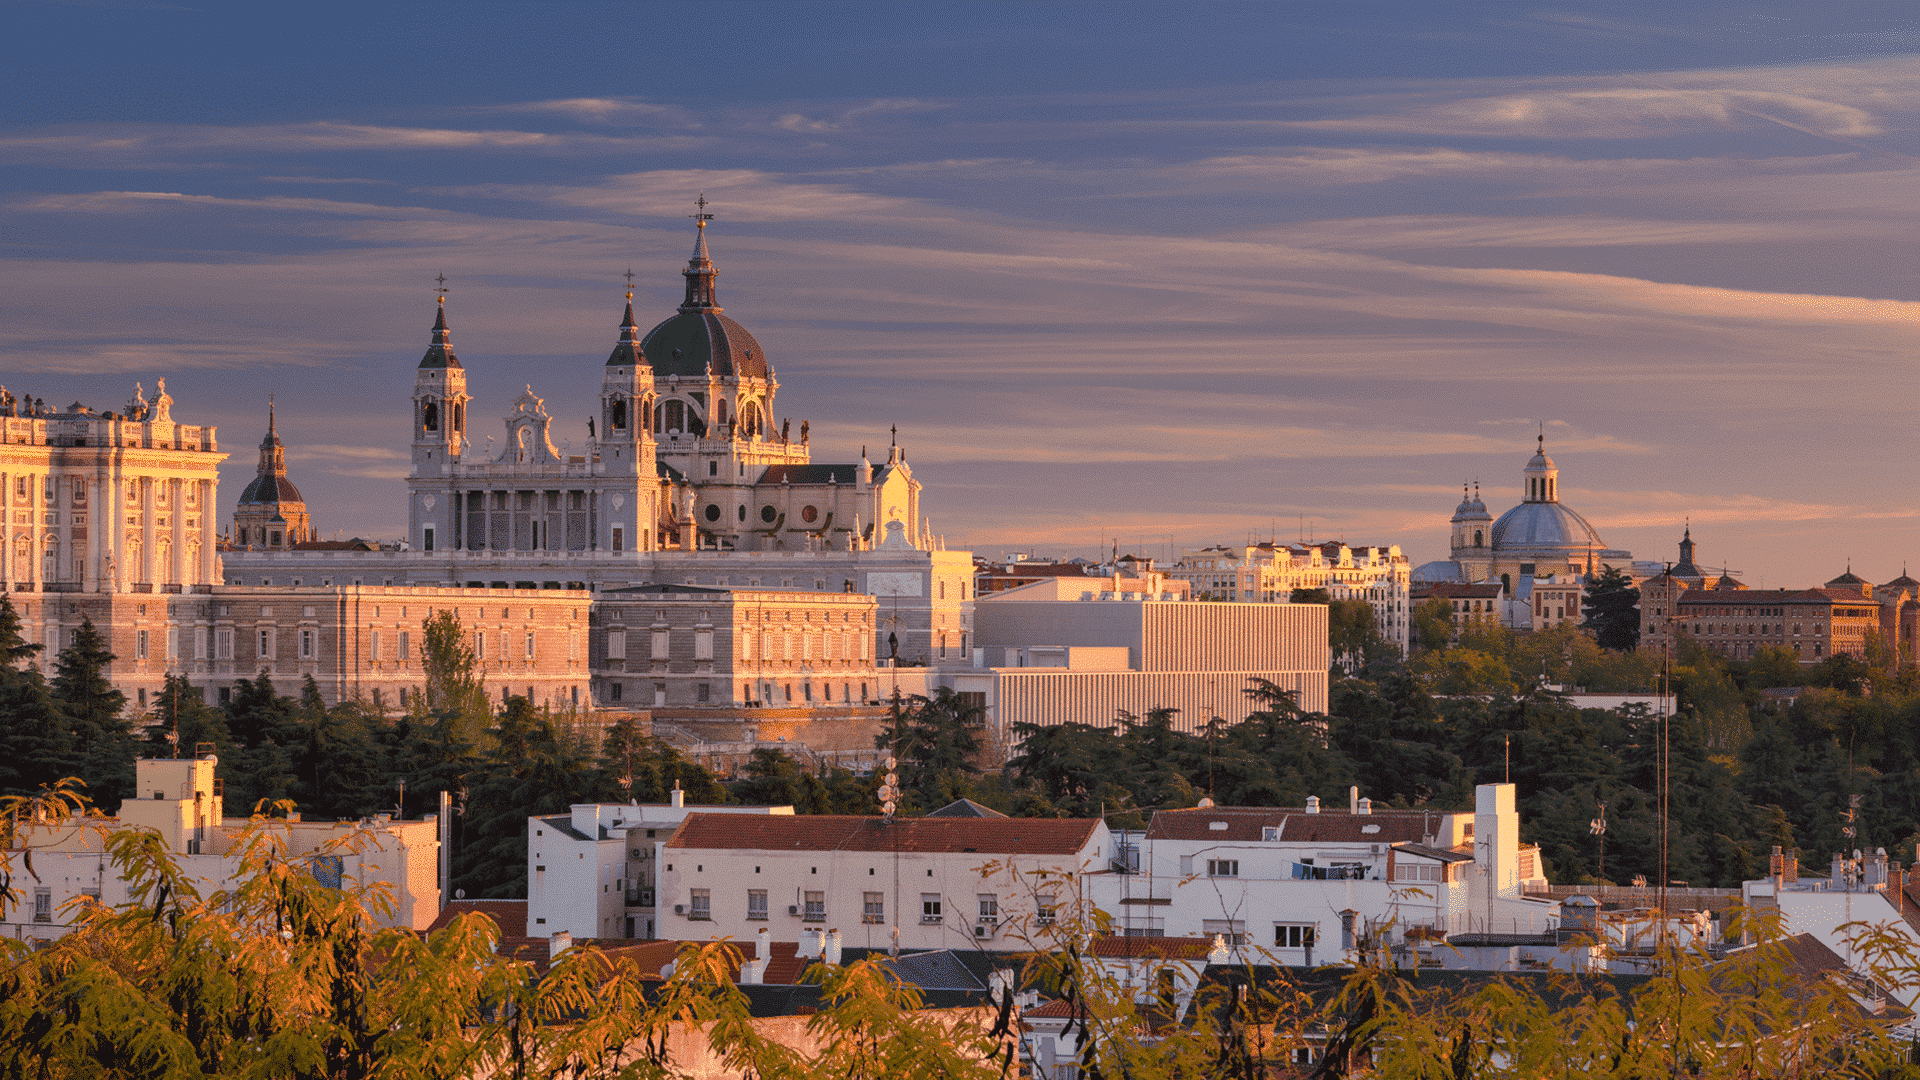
(687, 343)
(1544, 525)
(268, 488)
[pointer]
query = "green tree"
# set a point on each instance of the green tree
(937, 742)
(1432, 624)
(1355, 641)
(1612, 609)
(180, 721)
(103, 739)
(36, 741)
(455, 687)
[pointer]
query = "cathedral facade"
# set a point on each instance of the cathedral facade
(690, 477)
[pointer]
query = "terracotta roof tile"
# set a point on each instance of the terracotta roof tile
(1115, 946)
(1247, 823)
(834, 832)
(509, 915)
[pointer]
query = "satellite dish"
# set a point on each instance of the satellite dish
(459, 894)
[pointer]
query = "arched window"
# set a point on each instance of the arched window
(1478, 538)
(720, 412)
(618, 414)
(430, 416)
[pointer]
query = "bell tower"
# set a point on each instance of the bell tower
(439, 401)
(623, 438)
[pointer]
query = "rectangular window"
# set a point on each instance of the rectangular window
(613, 691)
(757, 904)
(619, 540)
(573, 645)
(266, 644)
(989, 908)
(306, 644)
(1416, 871)
(479, 644)
(703, 692)
(930, 908)
(1233, 931)
(703, 644)
(1223, 867)
(173, 643)
(700, 904)
(43, 905)
(373, 644)
(746, 645)
(405, 652)
(1293, 935)
(223, 643)
(529, 644)
(814, 908)
(616, 644)
(873, 908)
(199, 643)
(1043, 908)
(139, 644)
(660, 644)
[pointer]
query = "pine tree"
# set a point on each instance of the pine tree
(103, 739)
(1612, 608)
(36, 742)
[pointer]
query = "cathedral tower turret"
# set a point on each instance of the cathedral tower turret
(624, 437)
(1542, 477)
(439, 402)
(270, 513)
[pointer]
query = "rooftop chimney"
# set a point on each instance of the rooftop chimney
(832, 950)
(1313, 804)
(560, 942)
(678, 797)
(1353, 799)
(812, 943)
(1364, 806)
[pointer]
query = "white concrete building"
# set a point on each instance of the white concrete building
(1056, 652)
(1305, 886)
(181, 800)
(591, 874)
(918, 883)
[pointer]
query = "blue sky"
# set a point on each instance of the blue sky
(1187, 272)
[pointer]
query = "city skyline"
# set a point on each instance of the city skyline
(1113, 274)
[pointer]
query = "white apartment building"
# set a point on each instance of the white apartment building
(916, 883)
(182, 801)
(1304, 886)
(1268, 573)
(591, 873)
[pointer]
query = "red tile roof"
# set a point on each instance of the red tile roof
(1245, 823)
(1458, 592)
(834, 832)
(1052, 1010)
(509, 915)
(1115, 946)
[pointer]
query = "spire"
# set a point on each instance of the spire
(700, 272)
(440, 351)
(273, 455)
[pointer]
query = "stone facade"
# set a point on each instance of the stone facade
(106, 502)
(1268, 574)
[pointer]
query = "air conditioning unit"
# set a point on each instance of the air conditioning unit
(983, 930)
(1376, 849)
(793, 909)
(679, 909)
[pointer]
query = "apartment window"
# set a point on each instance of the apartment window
(873, 908)
(989, 908)
(700, 904)
(43, 905)
(614, 691)
(1234, 931)
(140, 645)
(1293, 935)
(616, 644)
(223, 643)
(814, 907)
(1223, 867)
(529, 644)
(266, 644)
(702, 692)
(306, 644)
(930, 908)
(1416, 871)
(405, 652)
(757, 904)
(1043, 908)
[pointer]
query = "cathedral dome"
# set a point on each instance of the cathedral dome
(1544, 525)
(691, 342)
(269, 488)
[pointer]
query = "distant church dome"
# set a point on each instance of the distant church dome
(1542, 525)
(699, 338)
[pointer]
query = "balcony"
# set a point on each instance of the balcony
(873, 920)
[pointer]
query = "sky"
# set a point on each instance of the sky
(1154, 275)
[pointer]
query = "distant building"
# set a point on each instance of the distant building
(1269, 573)
(270, 512)
(1541, 536)
(182, 801)
(1737, 622)
(1469, 604)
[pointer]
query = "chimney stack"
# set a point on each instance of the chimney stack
(832, 949)
(1353, 799)
(678, 797)
(560, 942)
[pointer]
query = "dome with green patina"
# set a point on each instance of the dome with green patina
(699, 340)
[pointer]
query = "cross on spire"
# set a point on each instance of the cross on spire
(702, 217)
(629, 276)
(441, 282)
